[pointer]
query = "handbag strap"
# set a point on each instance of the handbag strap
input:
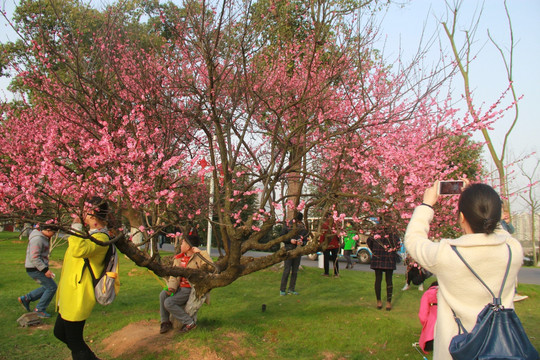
(108, 254)
(87, 261)
(496, 300)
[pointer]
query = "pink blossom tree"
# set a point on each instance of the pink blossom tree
(309, 121)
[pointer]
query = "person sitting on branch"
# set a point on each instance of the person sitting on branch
(174, 298)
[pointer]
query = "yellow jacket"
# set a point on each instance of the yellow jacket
(75, 297)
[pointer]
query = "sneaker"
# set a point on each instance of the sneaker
(325, 275)
(187, 328)
(165, 326)
(406, 287)
(42, 314)
(292, 292)
(421, 287)
(282, 293)
(518, 297)
(23, 300)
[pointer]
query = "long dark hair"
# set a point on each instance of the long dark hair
(481, 206)
(100, 208)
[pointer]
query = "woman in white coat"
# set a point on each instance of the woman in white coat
(483, 246)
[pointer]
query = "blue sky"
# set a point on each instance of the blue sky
(403, 26)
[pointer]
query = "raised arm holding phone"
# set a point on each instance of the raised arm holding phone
(484, 246)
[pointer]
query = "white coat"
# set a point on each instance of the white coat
(458, 287)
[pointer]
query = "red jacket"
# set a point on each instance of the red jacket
(428, 315)
(333, 243)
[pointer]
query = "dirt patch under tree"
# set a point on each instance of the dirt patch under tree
(142, 338)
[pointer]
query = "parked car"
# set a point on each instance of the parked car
(363, 254)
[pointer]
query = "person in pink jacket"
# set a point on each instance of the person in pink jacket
(428, 316)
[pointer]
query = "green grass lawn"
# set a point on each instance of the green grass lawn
(330, 319)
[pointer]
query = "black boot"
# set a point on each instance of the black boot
(84, 355)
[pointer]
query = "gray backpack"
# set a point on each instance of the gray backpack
(107, 285)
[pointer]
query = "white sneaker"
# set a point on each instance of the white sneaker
(518, 297)
(421, 287)
(406, 287)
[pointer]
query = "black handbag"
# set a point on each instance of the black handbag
(497, 334)
(398, 257)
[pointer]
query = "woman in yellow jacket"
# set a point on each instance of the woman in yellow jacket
(75, 296)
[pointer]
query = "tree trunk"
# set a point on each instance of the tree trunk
(533, 239)
(135, 222)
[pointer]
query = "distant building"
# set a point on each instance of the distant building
(522, 224)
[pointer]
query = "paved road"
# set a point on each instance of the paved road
(527, 275)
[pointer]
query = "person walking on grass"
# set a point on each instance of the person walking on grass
(291, 266)
(37, 267)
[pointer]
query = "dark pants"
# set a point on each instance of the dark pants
(290, 267)
(378, 280)
(330, 255)
(347, 255)
(175, 305)
(71, 333)
(161, 240)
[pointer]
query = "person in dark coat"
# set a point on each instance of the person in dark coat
(384, 243)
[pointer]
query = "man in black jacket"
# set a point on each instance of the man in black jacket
(291, 265)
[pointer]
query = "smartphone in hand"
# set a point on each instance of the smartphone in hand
(451, 187)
